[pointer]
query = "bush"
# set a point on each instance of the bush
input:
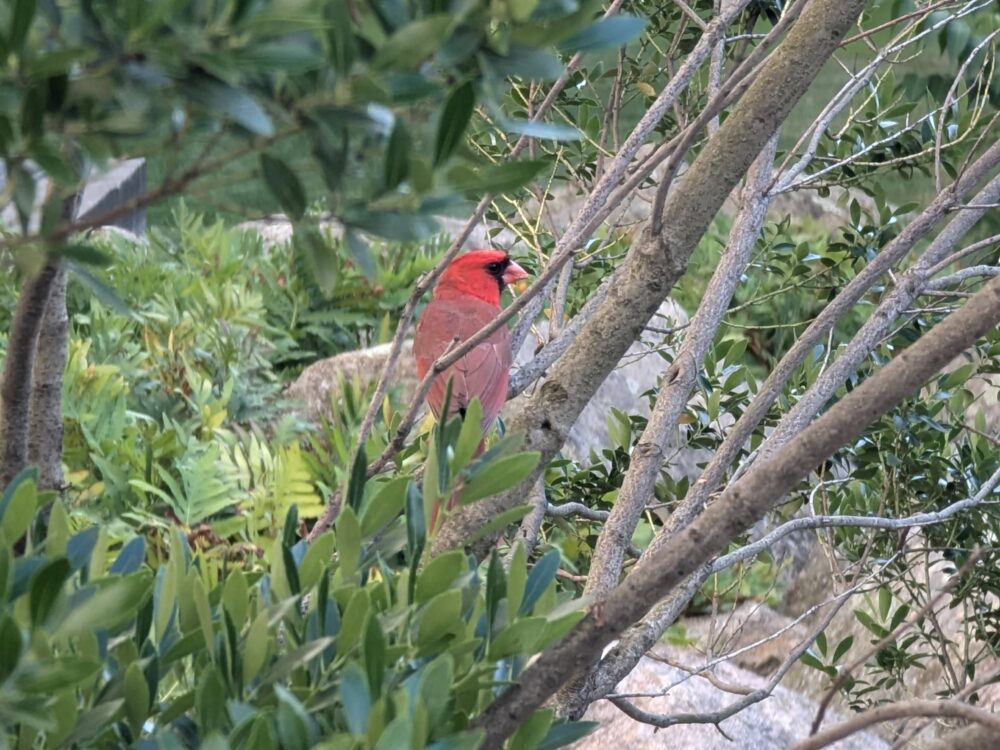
(347, 643)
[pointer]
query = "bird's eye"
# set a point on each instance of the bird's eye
(494, 268)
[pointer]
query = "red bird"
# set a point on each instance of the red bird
(466, 298)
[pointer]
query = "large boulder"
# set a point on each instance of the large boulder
(778, 721)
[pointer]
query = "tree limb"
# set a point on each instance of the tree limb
(15, 388)
(738, 508)
(902, 710)
(656, 262)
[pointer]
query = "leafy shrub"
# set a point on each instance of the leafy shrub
(351, 642)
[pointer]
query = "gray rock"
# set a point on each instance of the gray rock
(776, 722)
(122, 182)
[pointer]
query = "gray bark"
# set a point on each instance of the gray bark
(738, 508)
(15, 387)
(657, 261)
(45, 425)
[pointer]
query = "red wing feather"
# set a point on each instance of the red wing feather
(482, 373)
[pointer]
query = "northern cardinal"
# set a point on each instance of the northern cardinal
(466, 298)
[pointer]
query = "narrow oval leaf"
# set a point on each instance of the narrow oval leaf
(454, 119)
(605, 33)
(284, 186)
(499, 475)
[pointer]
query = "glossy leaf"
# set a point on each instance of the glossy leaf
(499, 475)
(542, 574)
(414, 43)
(605, 33)
(284, 186)
(453, 121)
(495, 178)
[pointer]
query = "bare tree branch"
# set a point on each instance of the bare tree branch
(656, 261)
(739, 507)
(679, 380)
(768, 392)
(862, 522)
(15, 389)
(901, 710)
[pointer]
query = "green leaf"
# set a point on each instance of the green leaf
(396, 735)
(356, 485)
(256, 647)
(397, 156)
(506, 518)
(99, 289)
(383, 506)
(498, 475)
(543, 573)
(541, 130)
(567, 733)
(210, 702)
(112, 604)
(528, 63)
(348, 542)
(495, 178)
(284, 186)
(13, 643)
(842, 648)
(957, 34)
(355, 616)
(295, 659)
(355, 698)
(81, 253)
(884, 602)
(605, 33)
(557, 627)
(516, 578)
(393, 225)
(518, 638)
(437, 674)
(292, 720)
(440, 617)
(204, 612)
(130, 558)
(453, 122)
(231, 102)
(93, 722)
(309, 241)
(360, 253)
(20, 23)
(810, 660)
(316, 559)
(439, 574)
(236, 597)
(340, 36)
(414, 43)
(373, 649)
(530, 734)
(46, 586)
(469, 437)
(18, 506)
(521, 10)
(460, 741)
(277, 57)
(416, 530)
(136, 697)
(57, 673)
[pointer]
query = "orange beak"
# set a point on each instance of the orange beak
(514, 273)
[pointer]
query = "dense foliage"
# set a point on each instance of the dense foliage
(167, 597)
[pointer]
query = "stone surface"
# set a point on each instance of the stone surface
(122, 182)
(772, 724)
